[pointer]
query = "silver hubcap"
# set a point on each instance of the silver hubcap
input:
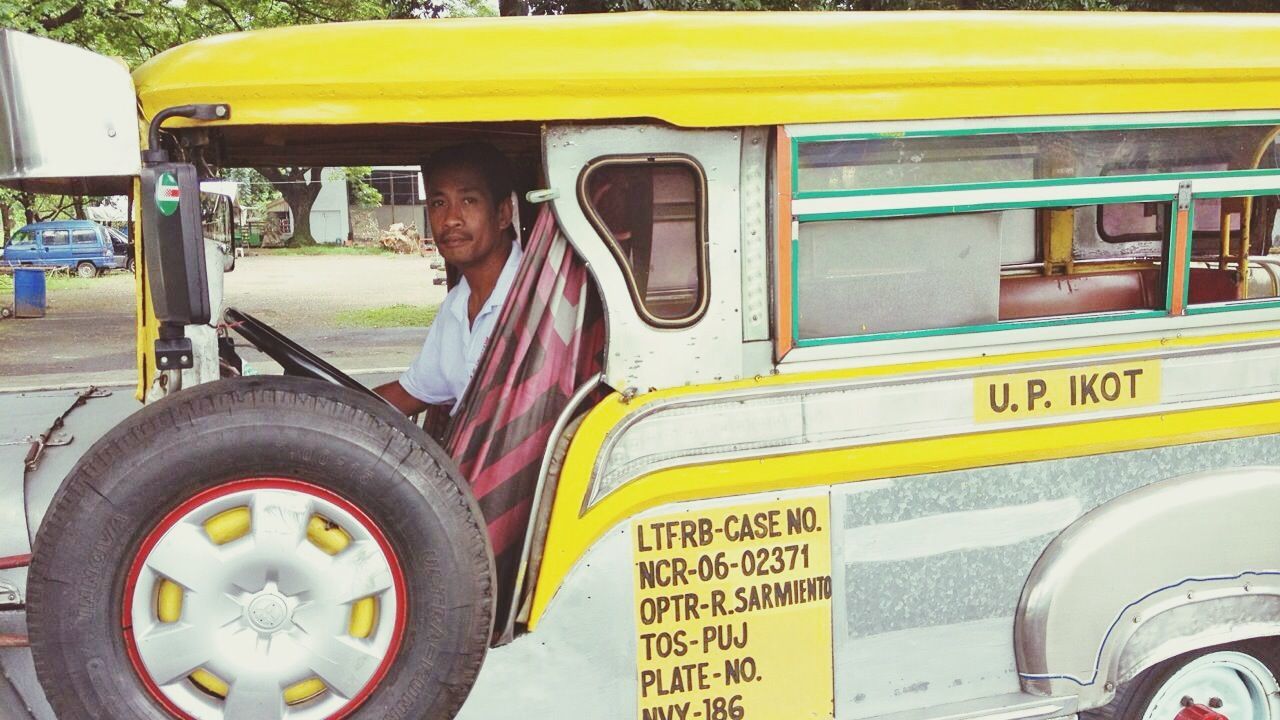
(268, 611)
(1235, 684)
(274, 618)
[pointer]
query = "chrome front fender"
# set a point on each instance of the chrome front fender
(1170, 567)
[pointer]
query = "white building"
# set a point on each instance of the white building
(404, 196)
(330, 215)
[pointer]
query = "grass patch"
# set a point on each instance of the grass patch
(52, 281)
(322, 250)
(390, 316)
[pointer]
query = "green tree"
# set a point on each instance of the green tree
(359, 191)
(136, 30)
(556, 7)
(299, 186)
(19, 208)
(255, 190)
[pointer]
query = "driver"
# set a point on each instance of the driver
(469, 209)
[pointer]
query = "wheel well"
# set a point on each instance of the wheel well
(1195, 626)
(1127, 585)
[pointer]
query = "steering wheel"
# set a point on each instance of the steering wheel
(295, 359)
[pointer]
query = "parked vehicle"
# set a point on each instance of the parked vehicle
(914, 366)
(87, 247)
(122, 248)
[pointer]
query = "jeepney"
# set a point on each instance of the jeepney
(895, 366)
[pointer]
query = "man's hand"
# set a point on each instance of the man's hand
(394, 393)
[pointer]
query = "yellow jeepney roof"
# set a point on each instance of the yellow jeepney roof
(724, 69)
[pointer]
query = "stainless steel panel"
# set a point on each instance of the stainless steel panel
(1206, 620)
(1196, 541)
(1013, 706)
(639, 355)
(25, 494)
(755, 235)
(26, 417)
(19, 673)
(68, 118)
(934, 566)
(581, 661)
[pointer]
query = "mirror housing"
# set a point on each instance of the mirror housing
(218, 209)
(173, 240)
(68, 119)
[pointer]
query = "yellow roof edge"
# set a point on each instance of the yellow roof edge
(726, 69)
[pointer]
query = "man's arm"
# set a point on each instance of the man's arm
(394, 393)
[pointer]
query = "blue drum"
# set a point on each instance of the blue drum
(28, 292)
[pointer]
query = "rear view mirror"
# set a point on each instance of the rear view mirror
(173, 239)
(217, 213)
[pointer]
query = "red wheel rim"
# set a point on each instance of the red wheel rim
(214, 494)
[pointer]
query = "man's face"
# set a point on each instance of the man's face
(467, 226)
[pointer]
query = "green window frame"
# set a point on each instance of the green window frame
(797, 141)
(1081, 191)
(1230, 305)
(1002, 325)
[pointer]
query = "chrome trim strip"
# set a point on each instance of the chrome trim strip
(1009, 124)
(600, 465)
(537, 517)
(941, 201)
(1097, 662)
(1038, 711)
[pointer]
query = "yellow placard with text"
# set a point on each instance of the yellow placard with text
(733, 612)
(1067, 390)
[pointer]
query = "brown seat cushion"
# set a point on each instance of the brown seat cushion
(1029, 296)
(1210, 285)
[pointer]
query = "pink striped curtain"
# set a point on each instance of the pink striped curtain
(547, 341)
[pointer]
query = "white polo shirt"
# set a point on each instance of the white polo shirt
(453, 346)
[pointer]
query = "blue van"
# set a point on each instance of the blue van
(86, 246)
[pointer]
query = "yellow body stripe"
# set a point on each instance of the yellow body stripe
(572, 531)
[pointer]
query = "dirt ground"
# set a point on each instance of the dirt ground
(88, 333)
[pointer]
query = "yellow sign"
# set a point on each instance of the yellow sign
(1069, 390)
(733, 613)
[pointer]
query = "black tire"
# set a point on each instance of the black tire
(130, 266)
(350, 444)
(1133, 697)
(87, 270)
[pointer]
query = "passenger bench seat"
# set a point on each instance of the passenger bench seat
(1031, 296)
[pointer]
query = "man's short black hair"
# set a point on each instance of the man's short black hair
(494, 166)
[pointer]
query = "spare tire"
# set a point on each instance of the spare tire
(261, 547)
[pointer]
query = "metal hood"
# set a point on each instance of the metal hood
(68, 119)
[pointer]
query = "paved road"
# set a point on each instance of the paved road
(88, 334)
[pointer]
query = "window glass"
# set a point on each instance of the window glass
(119, 242)
(1217, 258)
(84, 237)
(53, 238)
(1149, 222)
(215, 217)
(869, 276)
(19, 238)
(397, 187)
(844, 165)
(651, 213)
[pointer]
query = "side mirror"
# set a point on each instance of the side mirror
(232, 243)
(174, 246)
(217, 212)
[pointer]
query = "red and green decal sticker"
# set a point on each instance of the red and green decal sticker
(167, 194)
